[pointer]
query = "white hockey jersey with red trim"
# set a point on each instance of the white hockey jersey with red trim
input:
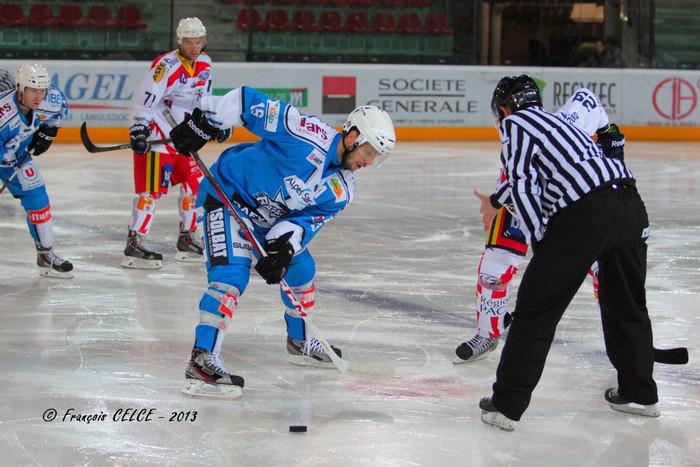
(171, 83)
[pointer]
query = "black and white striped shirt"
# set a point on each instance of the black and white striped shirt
(550, 164)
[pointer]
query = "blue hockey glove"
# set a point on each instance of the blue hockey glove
(273, 267)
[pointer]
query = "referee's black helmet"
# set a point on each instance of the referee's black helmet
(515, 93)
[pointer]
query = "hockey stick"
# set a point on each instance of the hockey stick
(343, 365)
(91, 147)
(677, 356)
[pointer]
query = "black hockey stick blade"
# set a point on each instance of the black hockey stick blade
(677, 356)
(91, 147)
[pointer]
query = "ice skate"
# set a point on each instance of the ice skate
(475, 349)
(206, 377)
(310, 352)
(52, 265)
(189, 249)
(136, 256)
(616, 402)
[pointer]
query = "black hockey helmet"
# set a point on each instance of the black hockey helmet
(515, 93)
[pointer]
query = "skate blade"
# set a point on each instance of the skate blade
(303, 360)
(198, 388)
(637, 409)
(459, 361)
(52, 273)
(498, 420)
(130, 262)
(188, 257)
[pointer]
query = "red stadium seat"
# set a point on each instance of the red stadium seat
(277, 20)
(249, 18)
(70, 15)
(330, 21)
(304, 21)
(11, 14)
(357, 22)
(383, 21)
(41, 16)
(436, 23)
(409, 23)
(100, 16)
(129, 16)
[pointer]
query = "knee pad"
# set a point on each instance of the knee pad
(300, 277)
(496, 270)
(216, 308)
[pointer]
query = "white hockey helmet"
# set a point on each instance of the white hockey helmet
(375, 127)
(190, 27)
(32, 75)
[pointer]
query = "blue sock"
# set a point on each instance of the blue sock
(295, 327)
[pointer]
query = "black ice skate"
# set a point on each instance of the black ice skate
(310, 352)
(136, 256)
(491, 416)
(52, 265)
(206, 377)
(189, 249)
(617, 402)
(474, 349)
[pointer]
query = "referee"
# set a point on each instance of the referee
(575, 206)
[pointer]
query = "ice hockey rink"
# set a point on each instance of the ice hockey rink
(395, 282)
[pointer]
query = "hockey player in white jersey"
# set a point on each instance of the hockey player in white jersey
(506, 245)
(29, 118)
(176, 81)
(287, 186)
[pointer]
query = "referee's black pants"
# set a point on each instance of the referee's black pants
(609, 225)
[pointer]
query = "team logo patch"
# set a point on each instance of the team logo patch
(203, 75)
(159, 72)
(315, 159)
(216, 237)
(337, 188)
(183, 78)
(299, 192)
(40, 216)
(29, 173)
(272, 115)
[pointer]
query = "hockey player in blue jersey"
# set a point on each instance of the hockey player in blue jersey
(29, 119)
(286, 187)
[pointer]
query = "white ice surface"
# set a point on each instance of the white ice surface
(395, 285)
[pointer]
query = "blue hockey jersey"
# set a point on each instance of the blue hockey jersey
(16, 130)
(291, 179)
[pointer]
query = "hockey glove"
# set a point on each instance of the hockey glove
(274, 266)
(224, 135)
(42, 139)
(138, 135)
(612, 142)
(193, 133)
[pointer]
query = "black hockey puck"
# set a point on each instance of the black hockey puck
(297, 428)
